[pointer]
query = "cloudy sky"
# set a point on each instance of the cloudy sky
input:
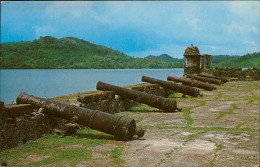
(139, 28)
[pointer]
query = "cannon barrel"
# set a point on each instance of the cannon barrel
(186, 90)
(224, 80)
(192, 83)
(122, 128)
(152, 100)
(204, 79)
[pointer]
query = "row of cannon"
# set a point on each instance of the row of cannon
(118, 126)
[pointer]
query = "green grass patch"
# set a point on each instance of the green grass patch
(56, 149)
(143, 108)
(193, 136)
(187, 111)
(127, 116)
(218, 148)
(222, 114)
(251, 99)
(219, 95)
(115, 155)
(239, 125)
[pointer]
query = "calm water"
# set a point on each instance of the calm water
(51, 83)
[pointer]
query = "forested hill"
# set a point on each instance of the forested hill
(248, 60)
(49, 52)
(165, 58)
(52, 53)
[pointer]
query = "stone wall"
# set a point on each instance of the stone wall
(235, 72)
(20, 123)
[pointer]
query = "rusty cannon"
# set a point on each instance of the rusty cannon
(186, 90)
(120, 127)
(152, 100)
(204, 79)
(192, 83)
(224, 80)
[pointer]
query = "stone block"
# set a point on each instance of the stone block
(18, 110)
(94, 97)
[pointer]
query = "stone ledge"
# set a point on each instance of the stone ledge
(18, 110)
(94, 97)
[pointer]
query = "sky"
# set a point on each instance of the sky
(139, 28)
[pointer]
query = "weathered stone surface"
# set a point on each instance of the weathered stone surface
(24, 128)
(18, 110)
(196, 153)
(1, 104)
(94, 97)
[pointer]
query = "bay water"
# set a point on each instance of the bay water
(57, 82)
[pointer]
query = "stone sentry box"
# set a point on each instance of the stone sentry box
(194, 61)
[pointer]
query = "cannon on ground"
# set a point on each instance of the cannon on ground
(224, 80)
(120, 127)
(204, 79)
(186, 90)
(152, 100)
(192, 83)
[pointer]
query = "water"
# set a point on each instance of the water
(57, 82)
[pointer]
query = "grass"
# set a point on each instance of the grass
(218, 148)
(239, 125)
(187, 111)
(230, 111)
(127, 116)
(115, 155)
(193, 136)
(220, 94)
(143, 108)
(55, 149)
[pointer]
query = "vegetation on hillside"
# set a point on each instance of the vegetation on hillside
(49, 52)
(248, 60)
(52, 53)
(165, 58)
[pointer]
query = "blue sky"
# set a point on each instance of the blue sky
(139, 28)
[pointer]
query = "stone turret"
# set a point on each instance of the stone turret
(191, 60)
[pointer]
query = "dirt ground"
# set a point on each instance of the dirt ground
(219, 129)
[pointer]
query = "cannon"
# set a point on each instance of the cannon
(118, 126)
(186, 90)
(152, 100)
(192, 83)
(224, 80)
(204, 79)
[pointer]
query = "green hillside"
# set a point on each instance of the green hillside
(165, 58)
(248, 60)
(52, 53)
(49, 52)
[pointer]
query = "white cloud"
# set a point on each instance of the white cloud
(216, 25)
(43, 30)
(246, 10)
